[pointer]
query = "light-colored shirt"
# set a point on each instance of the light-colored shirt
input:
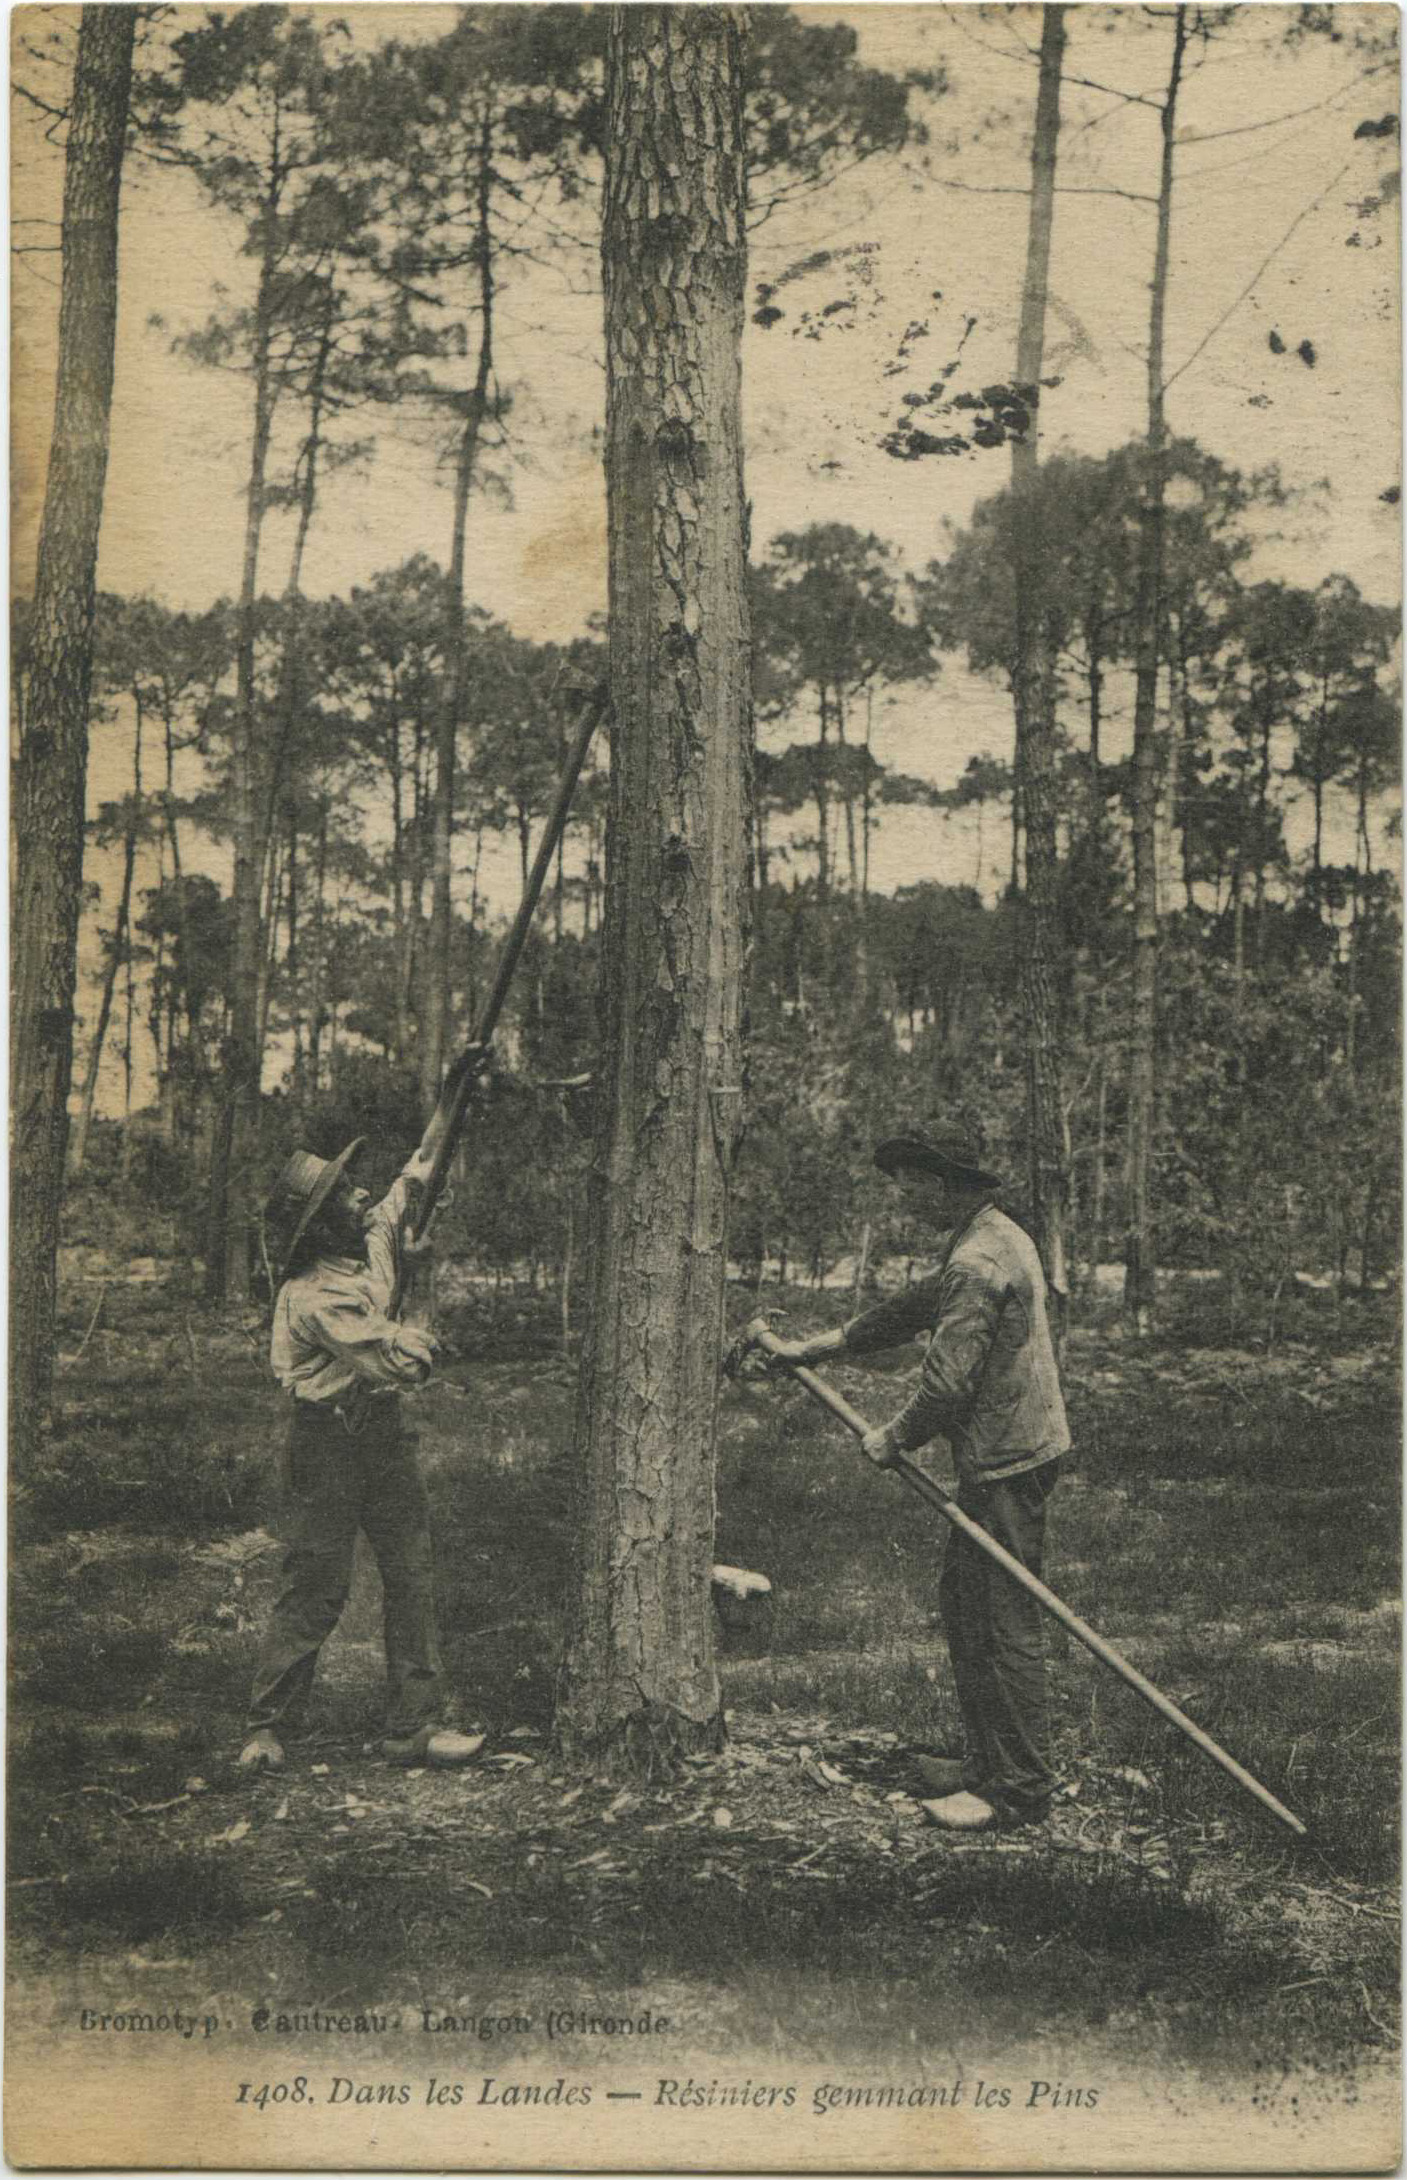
(331, 1332)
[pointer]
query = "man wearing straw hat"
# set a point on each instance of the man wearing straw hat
(344, 1362)
(990, 1386)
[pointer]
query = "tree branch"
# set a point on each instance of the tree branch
(1298, 220)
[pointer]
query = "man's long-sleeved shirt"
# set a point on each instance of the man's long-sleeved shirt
(331, 1332)
(989, 1382)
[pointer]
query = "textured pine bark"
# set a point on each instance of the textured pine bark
(1033, 686)
(1140, 1267)
(640, 1685)
(53, 759)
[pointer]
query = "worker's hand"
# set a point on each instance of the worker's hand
(744, 1358)
(413, 1247)
(418, 1343)
(781, 1354)
(417, 1166)
(877, 1446)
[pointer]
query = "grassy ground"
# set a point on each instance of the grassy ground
(1230, 1519)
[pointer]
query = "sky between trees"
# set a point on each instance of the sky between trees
(1269, 169)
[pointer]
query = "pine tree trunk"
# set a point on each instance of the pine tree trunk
(317, 1011)
(823, 803)
(1262, 813)
(852, 852)
(1172, 778)
(269, 920)
(1140, 1273)
(231, 1181)
(1096, 1246)
(568, 1262)
(1017, 762)
(640, 1685)
(1185, 728)
(862, 1266)
(1094, 644)
(1033, 690)
(400, 924)
(290, 957)
(119, 950)
(434, 1042)
(182, 949)
(51, 777)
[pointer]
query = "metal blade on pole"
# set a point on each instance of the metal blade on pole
(947, 1506)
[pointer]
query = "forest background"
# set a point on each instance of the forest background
(352, 563)
(339, 378)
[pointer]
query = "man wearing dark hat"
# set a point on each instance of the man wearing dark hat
(989, 1385)
(344, 1361)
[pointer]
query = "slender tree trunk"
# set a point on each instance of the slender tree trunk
(1094, 645)
(232, 1181)
(823, 803)
(1364, 843)
(118, 953)
(412, 959)
(317, 1011)
(1033, 688)
(52, 770)
(1186, 728)
(129, 1010)
(640, 1685)
(1172, 783)
(1262, 814)
(291, 957)
(560, 887)
(1358, 903)
(861, 975)
(268, 955)
(1140, 1272)
(435, 1033)
(867, 802)
(399, 919)
(862, 1266)
(289, 700)
(1096, 1212)
(1319, 782)
(852, 853)
(1016, 770)
(155, 1009)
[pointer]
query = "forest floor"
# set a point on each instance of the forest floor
(1229, 1519)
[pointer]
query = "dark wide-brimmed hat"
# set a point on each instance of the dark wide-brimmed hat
(953, 1157)
(304, 1186)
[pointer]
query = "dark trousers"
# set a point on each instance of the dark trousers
(335, 1483)
(996, 1643)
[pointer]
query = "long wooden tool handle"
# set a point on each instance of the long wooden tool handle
(442, 1135)
(924, 1484)
(513, 945)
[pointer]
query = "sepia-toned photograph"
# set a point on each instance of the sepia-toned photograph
(705, 1452)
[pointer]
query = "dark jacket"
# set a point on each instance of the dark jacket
(989, 1383)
